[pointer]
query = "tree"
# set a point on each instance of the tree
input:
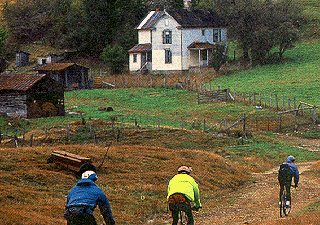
(259, 26)
(3, 39)
(115, 58)
(27, 20)
(218, 57)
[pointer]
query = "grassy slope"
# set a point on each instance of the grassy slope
(134, 178)
(297, 77)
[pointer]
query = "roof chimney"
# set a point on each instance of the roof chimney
(187, 4)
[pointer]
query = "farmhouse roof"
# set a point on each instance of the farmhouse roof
(57, 66)
(195, 18)
(19, 82)
(200, 45)
(141, 48)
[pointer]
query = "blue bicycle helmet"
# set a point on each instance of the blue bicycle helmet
(291, 159)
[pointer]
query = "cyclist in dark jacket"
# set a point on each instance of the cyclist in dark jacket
(286, 182)
(82, 200)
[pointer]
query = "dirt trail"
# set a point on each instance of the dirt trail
(258, 202)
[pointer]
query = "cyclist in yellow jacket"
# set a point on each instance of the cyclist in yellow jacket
(182, 191)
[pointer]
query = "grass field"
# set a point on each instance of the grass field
(297, 77)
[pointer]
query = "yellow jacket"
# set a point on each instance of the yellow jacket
(185, 184)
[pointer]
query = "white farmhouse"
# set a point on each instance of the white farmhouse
(176, 40)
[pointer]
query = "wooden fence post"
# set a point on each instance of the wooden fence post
(31, 140)
(289, 103)
(280, 121)
(294, 103)
(15, 140)
(314, 116)
(0, 136)
(277, 105)
(260, 100)
(295, 121)
(68, 133)
(244, 124)
(204, 125)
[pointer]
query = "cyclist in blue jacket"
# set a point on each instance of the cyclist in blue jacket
(285, 181)
(82, 200)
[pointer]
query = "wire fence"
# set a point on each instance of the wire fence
(118, 128)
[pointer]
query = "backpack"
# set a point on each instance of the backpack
(284, 174)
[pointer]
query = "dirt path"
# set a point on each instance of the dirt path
(258, 202)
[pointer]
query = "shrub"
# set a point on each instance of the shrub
(115, 57)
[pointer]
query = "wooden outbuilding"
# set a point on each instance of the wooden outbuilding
(22, 58)
(71, 75)
(30, 96)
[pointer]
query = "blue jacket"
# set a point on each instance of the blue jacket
(87, 193)
(295, 171)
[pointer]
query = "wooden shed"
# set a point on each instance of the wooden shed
(71, 75)
(30, 96)
(22, 58)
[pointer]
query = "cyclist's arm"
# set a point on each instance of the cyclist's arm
(295, 175)
(196, 191)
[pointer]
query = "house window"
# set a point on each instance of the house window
(203, 31)
(134, 58)
(216, 35)
(167, 37)
(168, 56)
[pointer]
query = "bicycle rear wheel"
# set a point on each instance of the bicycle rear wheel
(285, 209)
(183, 218)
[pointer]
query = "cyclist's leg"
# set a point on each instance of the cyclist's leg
(82, 220)
(188, 211)
(175, 216)
(288, 187)
(281, 192)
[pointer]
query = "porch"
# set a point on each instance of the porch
(199, 54)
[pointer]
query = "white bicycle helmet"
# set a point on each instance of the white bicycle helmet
(89, 175)
(185, 169)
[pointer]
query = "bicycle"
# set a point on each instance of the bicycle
(285, 209)
(183, 217)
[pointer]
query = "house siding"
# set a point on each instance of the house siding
(144, 36)
(158, 48)
(134, 66)
(192, 35)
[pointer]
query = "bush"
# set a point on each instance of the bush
(115, 58)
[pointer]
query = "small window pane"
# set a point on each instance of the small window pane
(134, 58)
(167, 37)
(168, 56)
(216, 35)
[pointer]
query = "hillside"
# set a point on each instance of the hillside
(297, 77)
(134, 178)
